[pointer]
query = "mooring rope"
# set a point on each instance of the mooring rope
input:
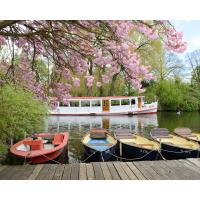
(131, 159)
(179, 151)
(88, 157)
(52, 159)
(102, 157)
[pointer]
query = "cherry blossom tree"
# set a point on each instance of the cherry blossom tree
(76, 48)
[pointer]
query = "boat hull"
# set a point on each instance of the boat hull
(43, 155)
(172, 152)
(139, 153)
(137, 112)
(99, 155)
(46, 158)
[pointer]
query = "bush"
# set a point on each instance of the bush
(20, 113)
(173, 95)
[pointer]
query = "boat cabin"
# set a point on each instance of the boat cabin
(101, 105)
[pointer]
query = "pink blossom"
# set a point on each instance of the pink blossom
(89, 81)
(76, 82)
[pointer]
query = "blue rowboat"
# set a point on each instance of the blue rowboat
(173, 146)
(100, 149)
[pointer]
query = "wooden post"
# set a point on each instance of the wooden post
(11, 141)
(120, 149)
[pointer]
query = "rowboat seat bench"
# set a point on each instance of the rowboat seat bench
(58, 139)
(164, 136)
(34, 144)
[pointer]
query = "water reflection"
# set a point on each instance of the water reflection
(77, 126)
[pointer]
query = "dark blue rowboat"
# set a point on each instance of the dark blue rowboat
(138, 152)
(173, 146)
(137, 146)
(100, 149)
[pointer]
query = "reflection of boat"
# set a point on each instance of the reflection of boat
(116, 105)
(108, 122)
(41, 148)
(173, 146)
(187, 133)
(99, 144)
(137, 146)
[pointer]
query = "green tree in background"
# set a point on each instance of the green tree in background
(20, 114)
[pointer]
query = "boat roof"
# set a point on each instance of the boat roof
(104, 98)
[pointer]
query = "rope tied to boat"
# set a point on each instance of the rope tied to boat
(102, 157)
(57, 162)
(180, 151)
(131, 159)
(88, 157)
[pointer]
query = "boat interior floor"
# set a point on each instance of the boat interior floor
(178, 141)
(142, 142)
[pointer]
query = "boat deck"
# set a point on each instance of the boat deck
(187, 169)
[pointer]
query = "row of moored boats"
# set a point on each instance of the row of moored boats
(183, 143)
(101, 145)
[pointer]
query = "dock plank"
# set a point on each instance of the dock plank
(59, 172)
(185, 169)
(35, 172)
(67, 172)
(146, 170)
(2, 167)
(98, 171)
(74, 171)
(113, 171)
(90, 171)
(43, 173)
(23, 172)
(6, 173)
(128, 171)
(105, 170)
(82, 172)
(195, 161)
(52, 171)
(182, 172)
(191, 167)
(136, 171)
(162, 170)
(120, 171)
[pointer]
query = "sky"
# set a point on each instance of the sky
(191, 31)
(191, 34)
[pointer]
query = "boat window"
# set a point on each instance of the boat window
(85, 103)
(74, 103)
(125, 102)
(64, 104)
(115, 102)
(96, 103)
(132, 101)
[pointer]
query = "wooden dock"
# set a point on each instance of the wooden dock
(188, 169)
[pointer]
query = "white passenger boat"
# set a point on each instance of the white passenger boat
(116, 105)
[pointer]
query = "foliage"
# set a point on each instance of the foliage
(20, 113)
(78, 48)
(174, 95)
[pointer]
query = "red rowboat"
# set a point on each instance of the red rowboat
(41, 148)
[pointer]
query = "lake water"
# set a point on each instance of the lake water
(77, 126)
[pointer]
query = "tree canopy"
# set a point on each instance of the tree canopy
(78, 48)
